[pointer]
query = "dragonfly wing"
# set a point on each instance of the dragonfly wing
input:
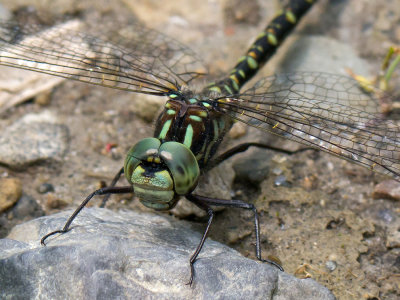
(325, 111)
(135, 58)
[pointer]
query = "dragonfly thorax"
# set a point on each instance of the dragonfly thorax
(161, 172)
(194, 121)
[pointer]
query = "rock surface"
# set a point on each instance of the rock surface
(388, 189)
(303, 57)
(127, 255)
(33, 138)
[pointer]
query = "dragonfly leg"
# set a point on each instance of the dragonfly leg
(244, 205)
(102, 191)
(197, 201)
(113, 183)
(243, 147)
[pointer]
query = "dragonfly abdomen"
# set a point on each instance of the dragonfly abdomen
(263, 47)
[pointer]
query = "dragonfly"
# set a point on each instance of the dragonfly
(322, 111)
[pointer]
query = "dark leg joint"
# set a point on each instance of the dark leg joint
(113, 183)
(198, 202)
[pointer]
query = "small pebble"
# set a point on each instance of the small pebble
(277, 171)
(237, 11)
(331, 265)
(332, 256)
(393, 239)
(147, 107)
(45, 188)
(33, 138)
(330, 166)
(386, 215)
(253, 170)
(43, 98)
(26, 207)
(281, 181)
(309, 182)
(116, 154)
(237, 193)
(279, 159)
(388, 189)
(55, 203)
(238, 130)
(10, 192)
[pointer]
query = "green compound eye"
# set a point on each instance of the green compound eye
(183, 166)
(138, 153)
(157, 187)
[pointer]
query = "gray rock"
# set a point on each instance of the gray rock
(126, 255)
(26, 207)
(323, 54)
(32, 139)
(5, 14)
(254, 169)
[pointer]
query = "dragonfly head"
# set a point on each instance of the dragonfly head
(161, 172)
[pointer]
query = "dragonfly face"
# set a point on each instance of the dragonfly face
(161, 172)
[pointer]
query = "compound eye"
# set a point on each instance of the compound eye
(182, 164)
(139, 153)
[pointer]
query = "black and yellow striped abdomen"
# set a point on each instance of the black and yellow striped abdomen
(263, 48)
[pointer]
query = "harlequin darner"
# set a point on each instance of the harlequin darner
(322, 111)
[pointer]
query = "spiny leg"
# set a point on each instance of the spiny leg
(113, 183)
(243, 147)
(244, 205)
(195, 199)
(102, 191)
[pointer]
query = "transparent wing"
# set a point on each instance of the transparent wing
(324, 111)
(134, 58)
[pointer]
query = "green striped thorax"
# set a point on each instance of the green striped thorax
(161, 172)
(195, 122)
